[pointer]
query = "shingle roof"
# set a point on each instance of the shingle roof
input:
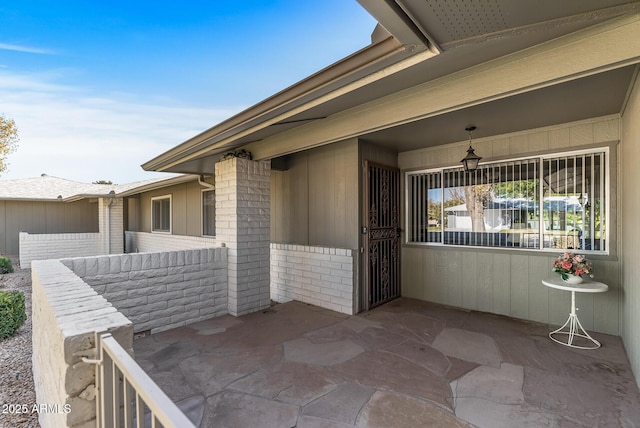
(47, 187)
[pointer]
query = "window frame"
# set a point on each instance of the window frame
(160, 198)
(202, 192)
(541, 158)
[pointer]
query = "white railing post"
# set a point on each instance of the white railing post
(124, 390)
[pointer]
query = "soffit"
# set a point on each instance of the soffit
(513, 25)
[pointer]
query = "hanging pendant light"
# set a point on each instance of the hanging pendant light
(471, 160)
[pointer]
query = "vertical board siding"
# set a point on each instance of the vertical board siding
(186, 207)
(509, 282)
(44, 217)
(316, 198)
(629, 285)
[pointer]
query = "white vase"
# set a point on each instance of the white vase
(572, 279)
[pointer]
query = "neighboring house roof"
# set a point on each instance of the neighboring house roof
(48, 188)
(504, 63)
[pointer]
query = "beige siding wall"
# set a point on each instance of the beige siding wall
(315, 200)
(186, 207)
(508, 281)
(630, 229)
(44, 217)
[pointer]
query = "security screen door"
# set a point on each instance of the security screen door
(382, 234)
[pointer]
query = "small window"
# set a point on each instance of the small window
(161, 214)
(209, 213)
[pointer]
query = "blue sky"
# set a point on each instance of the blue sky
(98, 88)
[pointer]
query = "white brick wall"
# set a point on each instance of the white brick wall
(113, 210)
(145, 242)
(110, 240)
(66, 314)
(243, 225)
(320, 276)
(160, 291)
(57, 246)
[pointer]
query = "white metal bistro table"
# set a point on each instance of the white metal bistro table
(573, 326)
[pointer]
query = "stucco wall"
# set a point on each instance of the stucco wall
(630, 208)
(44, 217)
(508, 281)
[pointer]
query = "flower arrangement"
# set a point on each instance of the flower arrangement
(572, 264)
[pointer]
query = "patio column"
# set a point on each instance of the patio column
(243, 225)
(111, 225)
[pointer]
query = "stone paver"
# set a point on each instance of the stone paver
(405, 364)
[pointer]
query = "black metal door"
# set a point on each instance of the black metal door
(382, 234)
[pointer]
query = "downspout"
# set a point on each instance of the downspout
(204, 183)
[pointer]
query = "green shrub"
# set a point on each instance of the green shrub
(5, 265)
(12, 312)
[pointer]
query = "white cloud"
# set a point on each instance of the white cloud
(26, 49)
(66, 133)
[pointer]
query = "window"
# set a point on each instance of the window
(209, 213)
(545, 202)
(161, 214)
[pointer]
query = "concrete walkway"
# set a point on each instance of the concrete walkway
(405, 364)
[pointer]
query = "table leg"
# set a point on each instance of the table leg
(574, 329)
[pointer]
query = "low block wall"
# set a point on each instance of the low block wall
(160, 291)
(58, 246)
(324, 277)
(66, 314)
(144, 242)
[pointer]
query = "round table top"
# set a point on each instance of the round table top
(586, 286)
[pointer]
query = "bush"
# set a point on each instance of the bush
(12, 312)
(5, 265)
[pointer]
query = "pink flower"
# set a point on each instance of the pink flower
(579, 272)
(578, 258)
(567, 265)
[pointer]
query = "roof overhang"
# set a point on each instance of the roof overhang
(428, 68)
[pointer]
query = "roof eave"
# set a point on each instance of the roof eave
(289, 101)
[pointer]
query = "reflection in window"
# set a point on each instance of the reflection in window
(498, 205)
(209, 213)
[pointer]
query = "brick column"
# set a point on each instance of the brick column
(111, 224)
(243, 225)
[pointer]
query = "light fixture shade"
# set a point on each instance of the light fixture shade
(471, 160)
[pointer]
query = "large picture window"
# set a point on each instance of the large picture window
(161, 214)
(209, 213)
(546, 202)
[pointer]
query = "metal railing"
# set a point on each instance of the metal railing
(126, 396)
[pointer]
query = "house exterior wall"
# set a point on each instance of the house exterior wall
(315, 200)
(44, 217)
(630, 229)
(110, 239)
(144, 242)
(508, 282)
(186, 209)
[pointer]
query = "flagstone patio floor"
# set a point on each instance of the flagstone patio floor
(405, 364)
